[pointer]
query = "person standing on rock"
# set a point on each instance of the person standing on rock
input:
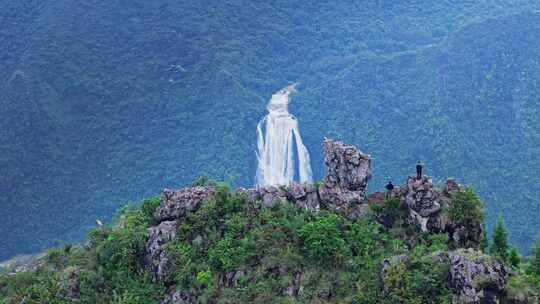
(419, 167)
(389, 188)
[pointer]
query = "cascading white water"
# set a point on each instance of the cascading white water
(275, 147)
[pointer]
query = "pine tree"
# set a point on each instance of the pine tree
(534, 259)
(513, 257)
(484, 242)
(499, 245)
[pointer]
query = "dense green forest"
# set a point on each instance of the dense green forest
(103, 102)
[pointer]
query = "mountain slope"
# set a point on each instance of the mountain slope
(102, 100)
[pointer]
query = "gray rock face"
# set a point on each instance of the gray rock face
(464, 237)
(397, 259)
(70, 285)
(450, 186)
(424, 205)
(175, 204)
(269, 195)
(348, 167)
(421, 197)
(345, 185)
(156, 255)
(23, 263)
(422, 200)
(344, 188)
(476, 278)
(303, 195)
(232, 279)
(179, 297)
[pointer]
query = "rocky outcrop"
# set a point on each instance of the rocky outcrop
(387, 263)
(343, 189)
(70, 285)
(422, 201)
(157, 258)
(305, 196)
(462, 236)
(475, 277)
(345, 185)
(294, 288)
(267, 196)
(425, 206)
(175, 204)
(179, 297)
(23, 263)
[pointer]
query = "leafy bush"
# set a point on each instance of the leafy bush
(204, 181)
(323, 239)
(466, 208)
(392, 210)
(227, 254)
(149, 206)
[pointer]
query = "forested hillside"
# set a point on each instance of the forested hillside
(107, 101)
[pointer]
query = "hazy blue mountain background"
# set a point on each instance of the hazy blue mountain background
(103, 102)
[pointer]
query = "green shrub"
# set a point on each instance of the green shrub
(323, 239)
(364, 238)
(149, 206)
(228, 253)
(204, 181)
(184, 261)
(514, 259)
(466, 208)
(392, 210)
(204, 277)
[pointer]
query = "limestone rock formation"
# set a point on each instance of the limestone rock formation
(397, 259)
(175, 204)
(70, 285)
(156, 253)
(422, 200)
(268, 195)
(450, 186)
(462, 236)
(343, 189)
(475, 277)
(345, 185)
(179, 297)
(305, 196)
(23, 263)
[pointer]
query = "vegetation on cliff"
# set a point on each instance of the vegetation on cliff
(231, 251)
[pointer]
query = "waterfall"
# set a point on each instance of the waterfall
(275, 144)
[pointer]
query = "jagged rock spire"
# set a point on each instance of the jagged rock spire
(345, 185)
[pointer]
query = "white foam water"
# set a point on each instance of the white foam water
(275, 144)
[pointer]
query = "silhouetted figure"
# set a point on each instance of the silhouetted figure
(419, 167)
(389, 188)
